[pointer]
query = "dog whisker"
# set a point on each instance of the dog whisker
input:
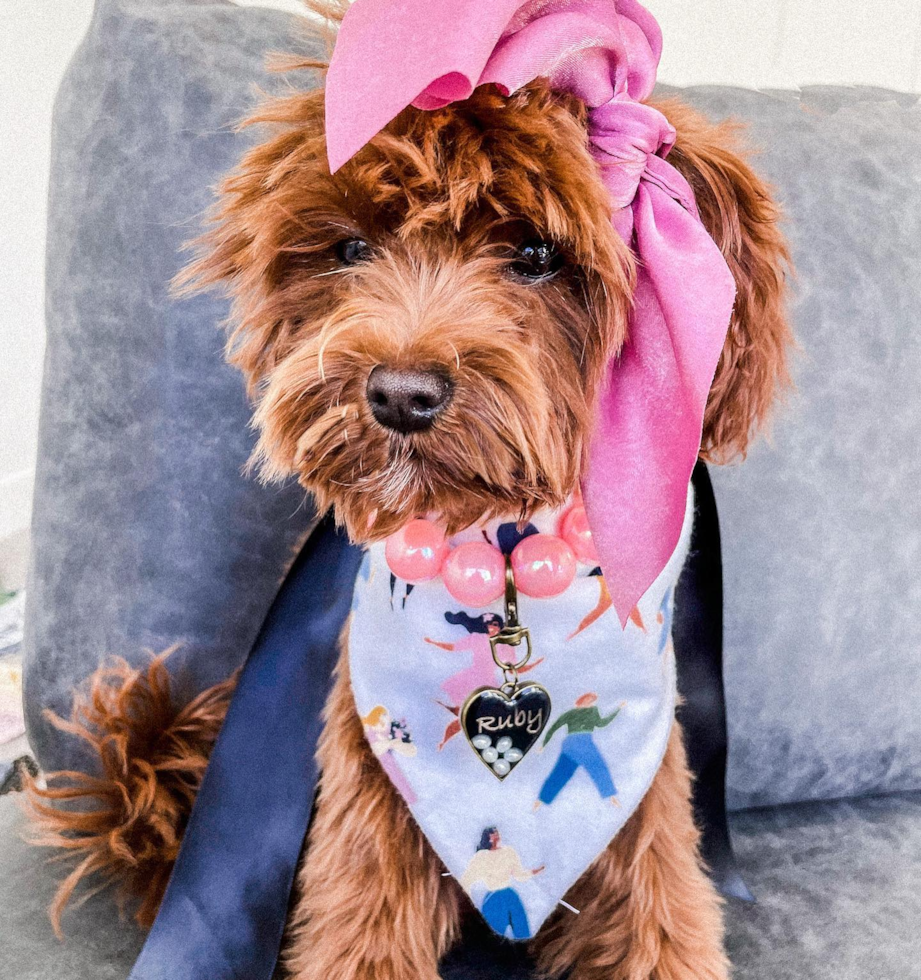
(332, 272)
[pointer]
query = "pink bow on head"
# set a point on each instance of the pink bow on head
(649, 417)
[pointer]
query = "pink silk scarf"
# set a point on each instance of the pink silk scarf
(428, 53)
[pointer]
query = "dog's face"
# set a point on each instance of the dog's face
(425, 331)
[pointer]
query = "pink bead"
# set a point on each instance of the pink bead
(416, 552)
(474, 573)
(544, 565)
(577, 534)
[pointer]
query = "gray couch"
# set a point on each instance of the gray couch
(145, 530)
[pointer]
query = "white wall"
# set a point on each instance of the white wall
(788, 43)
(37, 38)
(757, 43)
(780, 43)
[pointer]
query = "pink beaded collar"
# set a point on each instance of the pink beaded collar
(473, 572)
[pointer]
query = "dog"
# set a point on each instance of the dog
(424, 332)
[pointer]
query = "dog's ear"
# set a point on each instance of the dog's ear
(255, 227)
(738, 210)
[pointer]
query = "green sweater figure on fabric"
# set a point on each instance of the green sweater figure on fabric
(579, 750)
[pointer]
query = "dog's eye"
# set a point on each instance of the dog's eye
(536, 259)
(351, 251)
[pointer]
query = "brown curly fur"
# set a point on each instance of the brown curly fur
(366, 852)
(443, 196)
(152, 756)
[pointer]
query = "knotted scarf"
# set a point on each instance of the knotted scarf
(649, 416)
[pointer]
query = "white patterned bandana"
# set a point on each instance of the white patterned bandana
(516, 844)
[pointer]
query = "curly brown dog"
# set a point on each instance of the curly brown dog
(473, 244)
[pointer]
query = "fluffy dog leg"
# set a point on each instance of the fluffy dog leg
(371, 904)
(648, 911)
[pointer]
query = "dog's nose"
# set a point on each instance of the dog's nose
(407, 401)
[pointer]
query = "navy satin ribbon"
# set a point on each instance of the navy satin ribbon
(697, 632)
(225, 906)
(224, 910)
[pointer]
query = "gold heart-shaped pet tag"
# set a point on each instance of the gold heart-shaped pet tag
(503, 727)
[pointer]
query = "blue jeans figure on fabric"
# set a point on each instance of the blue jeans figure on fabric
(502, 909)
(577, 750)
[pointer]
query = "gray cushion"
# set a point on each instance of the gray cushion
(822, 529)
(836, 886)
(145, 530)
(837, 891)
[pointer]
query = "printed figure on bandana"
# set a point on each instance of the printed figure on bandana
(482, 671)
(407, 591)
(497, 866)
(389, 738)
(579, 751)
(664, 618)
(604, 604)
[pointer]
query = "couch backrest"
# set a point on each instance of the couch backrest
(145, 530)
(822, 528)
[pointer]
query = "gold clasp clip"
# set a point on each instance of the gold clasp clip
(512, 634)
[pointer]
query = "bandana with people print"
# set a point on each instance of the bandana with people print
(517, 844)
